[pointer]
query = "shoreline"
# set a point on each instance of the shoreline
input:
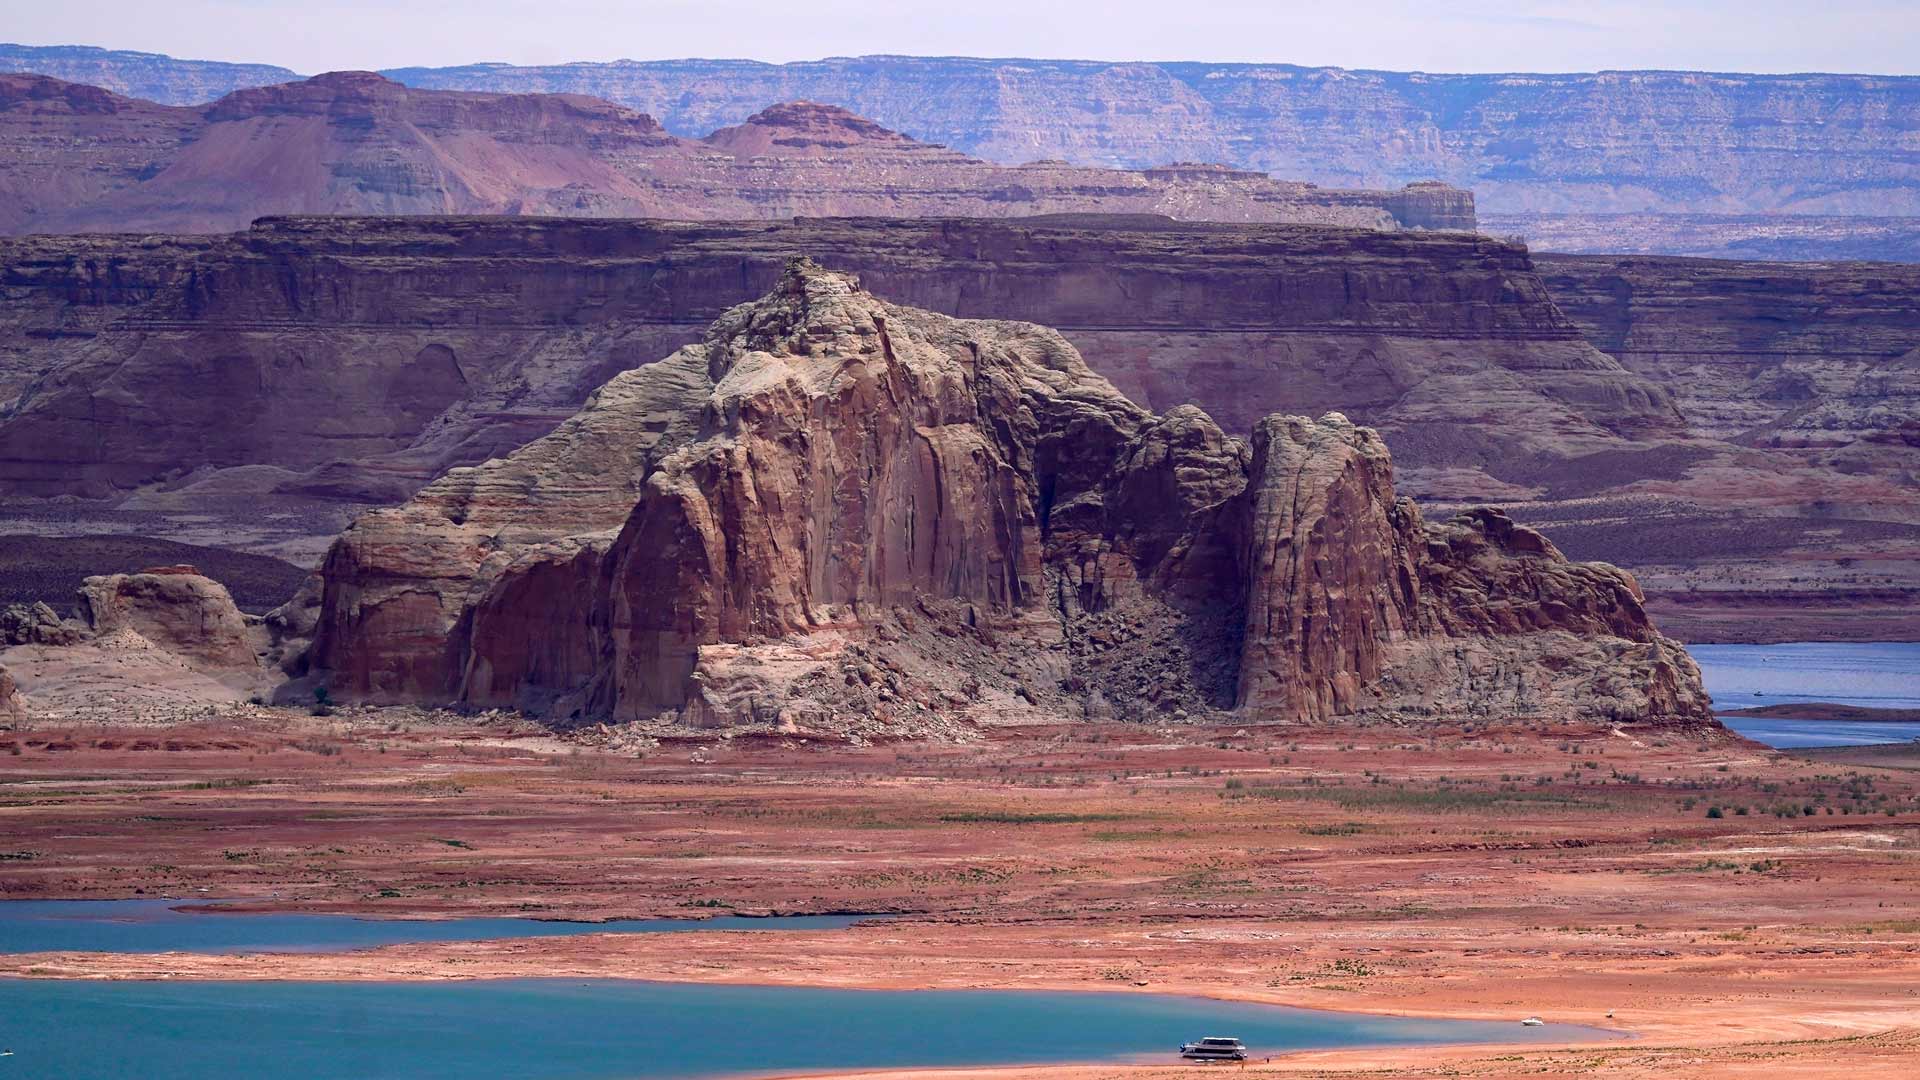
(1479, 873)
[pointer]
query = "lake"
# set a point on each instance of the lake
(1881, 675)
(150, 926)
(1788, 734)
(1878, 675)
(567, 1029)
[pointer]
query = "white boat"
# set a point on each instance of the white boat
(1533, 1021)
(1214, 1048)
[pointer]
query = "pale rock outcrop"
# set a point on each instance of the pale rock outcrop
(404, 585)
(35, 624)
(12, 708)
(174, 609)
(839, 511)
(161, 644)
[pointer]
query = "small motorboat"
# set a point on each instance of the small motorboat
(1214, 1048)
(1533, 1021)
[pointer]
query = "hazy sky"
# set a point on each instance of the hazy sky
(1430, 35)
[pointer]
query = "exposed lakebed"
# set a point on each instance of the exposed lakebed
(565, 1029)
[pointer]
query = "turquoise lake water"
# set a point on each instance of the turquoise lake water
(564, 1029)
(147, 926)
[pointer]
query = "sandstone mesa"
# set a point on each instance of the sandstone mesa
(839, 507)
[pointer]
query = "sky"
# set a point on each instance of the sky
(310, 36)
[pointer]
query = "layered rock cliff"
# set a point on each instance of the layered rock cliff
(149, 76)
(834, 507)
(359, 358)
(80, 159)
(1775, 237)
(1794, 501)
(256, 390)
(1675, 141)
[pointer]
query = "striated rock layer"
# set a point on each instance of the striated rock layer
(1793, 512)
(364, 356)
(837, 507)
(258, 389)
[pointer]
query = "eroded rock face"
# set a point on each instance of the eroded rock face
(837, 507)
(358, 359)
(35, 624)
(163, 642)
(1330, 567)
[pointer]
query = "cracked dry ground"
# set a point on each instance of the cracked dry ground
(1482, 872)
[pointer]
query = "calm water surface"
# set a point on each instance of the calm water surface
(1787, 734)
(1879, 675)
(557, 1029)
(150, 926)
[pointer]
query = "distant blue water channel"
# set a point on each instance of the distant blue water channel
(1790, 734)
(1875, 674)
(152, 926)
(565, 1029)
(1878, 675)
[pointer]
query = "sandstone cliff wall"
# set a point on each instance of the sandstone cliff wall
(292, 373)
(1748, 346)
(1614, 140)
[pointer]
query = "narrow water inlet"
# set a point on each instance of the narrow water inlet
(154, 926)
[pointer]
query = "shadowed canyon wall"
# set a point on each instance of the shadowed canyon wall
(273, 381)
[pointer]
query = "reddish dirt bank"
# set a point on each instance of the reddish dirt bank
(1485, 872)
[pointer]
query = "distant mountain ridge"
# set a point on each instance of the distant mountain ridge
(148, 76)
(77, 158)
(1607, 142)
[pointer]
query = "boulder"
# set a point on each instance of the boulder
(176, 610)
(35, 624)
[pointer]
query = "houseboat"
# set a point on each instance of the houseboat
(1214, 1048)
